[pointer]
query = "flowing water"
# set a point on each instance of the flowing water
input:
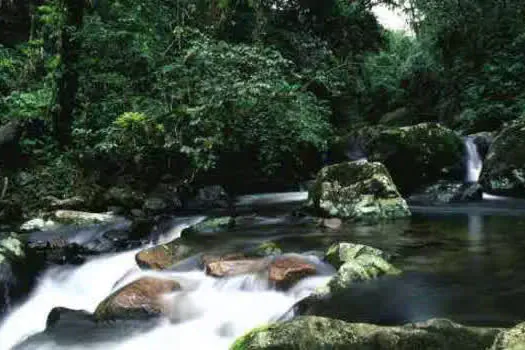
(474, 162)
(461, 262)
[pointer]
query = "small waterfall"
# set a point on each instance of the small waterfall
(473, 161)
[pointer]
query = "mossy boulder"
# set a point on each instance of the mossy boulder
(357, 191)
(504, 167)
(14, 274)
(305, 333)
(414, 155)
(209, 226)
(164, 256)
(512, 339)
(340, 253)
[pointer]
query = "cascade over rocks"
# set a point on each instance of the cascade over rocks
(137, 300)
(359, 191)
(504, 167)
(305, 333)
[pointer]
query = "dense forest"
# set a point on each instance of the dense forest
(102, 93)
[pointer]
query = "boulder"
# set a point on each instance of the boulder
(512, 339)
(124, 197)
(265, 249)
(227, 267)
(305, 333)
(14, 276)
(414, 155)
(340, 253)
(209, 197)
(358, 191)
(137, 300)
(332, 223)
(209, 226)
(81, 218)
(73, 203)
(285, 271)
(446, 192)
(504, 167)
(163, 256)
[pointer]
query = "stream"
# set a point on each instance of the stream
(461, 262)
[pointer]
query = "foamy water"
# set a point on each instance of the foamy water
(208, 313)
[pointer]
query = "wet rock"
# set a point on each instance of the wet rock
(445, 192)
(512, 339)
(483, 141)
(163, 256)
(124, 197)
(209, 226)
(306, 333)
(364, 267)
(285, 271)
(504, 167)
(209, 197)
(137, 300)
(82, 218)
(332, 223)
(265, 249)
(358, 191)
(340, 253)
(73, 203)
(227, 267)
(37, 224)
(14, 270)
(415, 155)
(66, 328)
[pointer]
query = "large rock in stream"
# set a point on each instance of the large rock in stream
(504, 167)
(360, 191)
(305, 333)
(140, 299)
(414, 155)
(164, 256)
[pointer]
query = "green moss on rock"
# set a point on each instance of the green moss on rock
(358, 191)
(512, 339)
(305, 333)
(209, 226)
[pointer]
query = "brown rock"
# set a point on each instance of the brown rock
(285, 271)
(137, 300)
(163, 256)
(228, 268)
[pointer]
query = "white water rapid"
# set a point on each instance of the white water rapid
(473, 161)
(207, 314)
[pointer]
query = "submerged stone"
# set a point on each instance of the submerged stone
(305, 333)
(358, 191)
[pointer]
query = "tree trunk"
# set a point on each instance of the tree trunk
(68, 80)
